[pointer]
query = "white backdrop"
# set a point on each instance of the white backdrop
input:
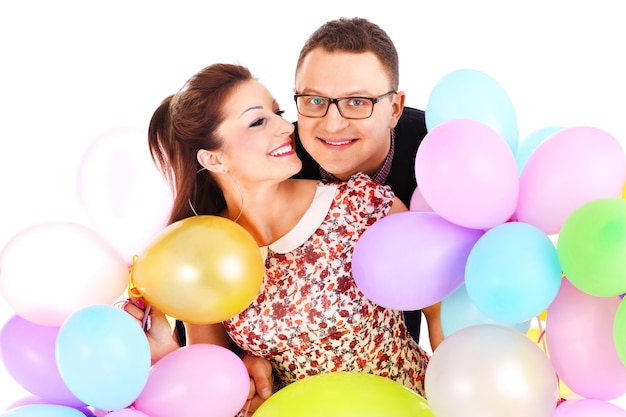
(72, 70)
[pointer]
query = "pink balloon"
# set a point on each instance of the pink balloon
(51, 270)
(418, 203)
(411, 260)
(124, 195)
(588, 408)
(28, 353)
(579, 335)
(200, 379)
(570, 168)
(467, 173)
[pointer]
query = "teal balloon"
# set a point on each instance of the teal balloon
(513, 272)
(458, 312)
(530, 143)
(103, 356)
(42, 410)
(472, 94)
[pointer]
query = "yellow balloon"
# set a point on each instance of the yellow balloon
(624, 192)
(202, 269)
(345, 394)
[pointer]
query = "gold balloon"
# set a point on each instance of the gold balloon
(202, 269)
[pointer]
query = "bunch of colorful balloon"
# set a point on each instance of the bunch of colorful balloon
(72, 347)
(480, 238)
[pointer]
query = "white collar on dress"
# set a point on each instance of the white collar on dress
(308, 224)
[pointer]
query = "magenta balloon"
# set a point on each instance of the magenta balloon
(411, 260)
(579, 335)
(28, 353)
(200, 379)
(570, 168)
(467, 173)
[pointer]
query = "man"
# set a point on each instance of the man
(368, 129)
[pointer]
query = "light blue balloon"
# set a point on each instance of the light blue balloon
(530, 143)
(103, 357)
(472, 94)
(42, 410)
(458, 312)
(513, 272)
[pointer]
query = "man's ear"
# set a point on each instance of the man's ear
(397, 106)
(210, 160)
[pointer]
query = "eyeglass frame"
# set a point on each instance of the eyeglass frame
(336, 101)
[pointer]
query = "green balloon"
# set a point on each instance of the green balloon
(619, 330)
(345, 394)
(591, 247)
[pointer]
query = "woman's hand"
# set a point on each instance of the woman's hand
(156, 325)
(261, 382)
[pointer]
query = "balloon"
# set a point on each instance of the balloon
(193, 380)
(50, 270)
(345, 394)
(42, 410)
(127, 412)
(619, 331)
(513, 272)
(571, 167)
(411, 260)
(418, 203)
(490, 370)
(592, 247)
(530, 143)
(103, 356)
(588, 408)
(579, 335)
(28, 353)
(467, 174)
(203, 269)
(31, 400)
(458, 312)
(121, 190)
(474, 95)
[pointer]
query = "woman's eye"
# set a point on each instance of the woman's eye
(258, 122)
(279, 113)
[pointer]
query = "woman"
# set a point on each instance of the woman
(223, 145)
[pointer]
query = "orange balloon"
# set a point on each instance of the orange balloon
(202, 269)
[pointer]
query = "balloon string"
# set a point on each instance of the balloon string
(249, 403)
(542, 339)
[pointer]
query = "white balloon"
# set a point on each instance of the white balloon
(121, 190)
(50, 270)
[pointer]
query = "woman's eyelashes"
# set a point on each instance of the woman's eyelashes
(261, 121)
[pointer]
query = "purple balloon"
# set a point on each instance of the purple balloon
(411, 260)
(28, 353)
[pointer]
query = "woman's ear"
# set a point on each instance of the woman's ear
(210, 160)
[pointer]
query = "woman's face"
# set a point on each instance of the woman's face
(258, 142)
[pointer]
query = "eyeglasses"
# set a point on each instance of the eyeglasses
(349, 107)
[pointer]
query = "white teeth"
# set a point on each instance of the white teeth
(338, 143)
(282, 150)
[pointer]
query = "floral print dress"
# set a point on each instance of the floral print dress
(309, 316)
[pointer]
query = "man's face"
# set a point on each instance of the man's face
(346, 146)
